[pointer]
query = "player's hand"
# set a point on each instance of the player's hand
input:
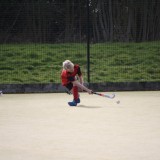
(90, 91)
(81, 88)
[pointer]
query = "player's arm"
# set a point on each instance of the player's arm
(81, 79)
(80, 76)
(78, 84)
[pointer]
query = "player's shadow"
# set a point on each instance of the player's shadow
(90, 107)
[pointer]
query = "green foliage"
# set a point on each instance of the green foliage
(109, 62)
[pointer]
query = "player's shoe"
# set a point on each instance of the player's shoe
(74, 102)
(77, 100)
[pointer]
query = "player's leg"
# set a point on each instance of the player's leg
(75, 94)
(74, 90)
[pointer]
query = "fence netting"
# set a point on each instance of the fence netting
(36, 36)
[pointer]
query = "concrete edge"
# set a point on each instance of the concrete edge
(101, 87)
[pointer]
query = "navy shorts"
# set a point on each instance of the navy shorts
(69, 86)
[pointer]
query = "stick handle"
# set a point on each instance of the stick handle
(105, 95)
(99, 94)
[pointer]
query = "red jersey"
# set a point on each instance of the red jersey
(67, 77)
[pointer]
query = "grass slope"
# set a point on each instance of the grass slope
(109, 62)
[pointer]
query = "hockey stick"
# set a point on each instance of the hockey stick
(68, 91)
(105, 95)
(108, 96)
(99, 94)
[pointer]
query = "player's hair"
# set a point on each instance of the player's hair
(67, 64)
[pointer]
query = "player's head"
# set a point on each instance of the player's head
(68, 65)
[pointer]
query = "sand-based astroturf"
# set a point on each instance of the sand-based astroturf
(44, 127)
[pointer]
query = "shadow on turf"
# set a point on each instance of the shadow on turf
(91, 107)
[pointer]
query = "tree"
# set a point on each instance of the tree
(53, 21)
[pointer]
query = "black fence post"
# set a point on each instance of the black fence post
(88, 42)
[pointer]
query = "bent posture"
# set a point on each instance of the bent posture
(69, 77)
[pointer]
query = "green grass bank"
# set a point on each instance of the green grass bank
(109, 62)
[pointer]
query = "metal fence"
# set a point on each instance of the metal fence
(112, 41)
